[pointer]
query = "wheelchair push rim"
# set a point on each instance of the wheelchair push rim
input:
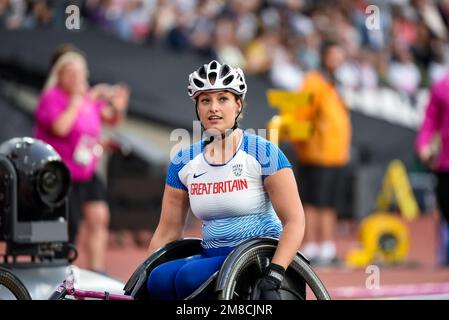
(235, 266)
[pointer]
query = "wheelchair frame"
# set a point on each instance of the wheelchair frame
(249, 254)
(253, 251)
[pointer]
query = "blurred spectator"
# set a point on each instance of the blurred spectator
(443, 7)
(407, 49)
(323, 155)
(200, 26)
(244, 13)
(226, 45)
(258, 52)
(403, 27)
(403, 73)
(308, 52)
(368, 77)
(432, 146)
(69, 117)
(62, 49)
(134, 23)
(438, 66)
(12, 13)
(40, 14)
(285, 73)
(431, 17)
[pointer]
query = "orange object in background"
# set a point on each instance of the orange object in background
(330, 137)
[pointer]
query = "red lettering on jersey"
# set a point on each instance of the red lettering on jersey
(235, 185)
(193, 188)
(218, 187)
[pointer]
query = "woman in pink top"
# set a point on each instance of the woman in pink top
(432, 143)
(69, 117)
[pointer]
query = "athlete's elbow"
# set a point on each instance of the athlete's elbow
(297, 224)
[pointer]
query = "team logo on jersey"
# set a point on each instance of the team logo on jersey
(237, 169)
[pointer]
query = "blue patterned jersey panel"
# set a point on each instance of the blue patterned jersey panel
(269, 156)
(178, 162)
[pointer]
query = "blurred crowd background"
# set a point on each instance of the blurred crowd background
(152, 45)
(406, 49)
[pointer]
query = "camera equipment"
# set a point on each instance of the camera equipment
(34, 184)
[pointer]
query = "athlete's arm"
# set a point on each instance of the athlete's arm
(283, 193)
(175, 204)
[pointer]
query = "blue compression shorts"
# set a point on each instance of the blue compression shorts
(177, 279)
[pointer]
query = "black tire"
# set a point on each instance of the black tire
(252, 256)
(13, 284)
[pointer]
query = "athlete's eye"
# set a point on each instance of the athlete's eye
(204, 101)
(223, 99)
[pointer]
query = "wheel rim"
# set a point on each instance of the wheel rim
(13, 284)
(253, 257)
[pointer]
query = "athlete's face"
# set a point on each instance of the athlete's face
(218, 110)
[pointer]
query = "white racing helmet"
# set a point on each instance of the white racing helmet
(216, 76)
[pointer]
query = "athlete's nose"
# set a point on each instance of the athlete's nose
(213, 106)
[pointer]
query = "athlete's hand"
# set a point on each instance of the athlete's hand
(267, 287)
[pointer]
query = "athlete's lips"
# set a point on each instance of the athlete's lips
(212, 118)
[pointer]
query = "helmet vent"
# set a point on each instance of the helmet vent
(228, 80)
(198, 83)
(213, 65)
(242, 87)
(224, 71)
(202, 72)
(212, 77)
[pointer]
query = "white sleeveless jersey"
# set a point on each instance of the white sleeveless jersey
(230, 198)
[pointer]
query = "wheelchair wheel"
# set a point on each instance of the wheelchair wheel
(241, 270)
(11, 282)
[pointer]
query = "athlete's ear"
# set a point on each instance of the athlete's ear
(240, 103)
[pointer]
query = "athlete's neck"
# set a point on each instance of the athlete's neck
(220, 150)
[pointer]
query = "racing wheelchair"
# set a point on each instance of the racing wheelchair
(236, 278)
(32, 173)
(234, 281)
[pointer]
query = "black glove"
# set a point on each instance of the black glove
(267, 287)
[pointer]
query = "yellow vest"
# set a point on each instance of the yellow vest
(330, 140)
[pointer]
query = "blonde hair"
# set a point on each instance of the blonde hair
(68, 57)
